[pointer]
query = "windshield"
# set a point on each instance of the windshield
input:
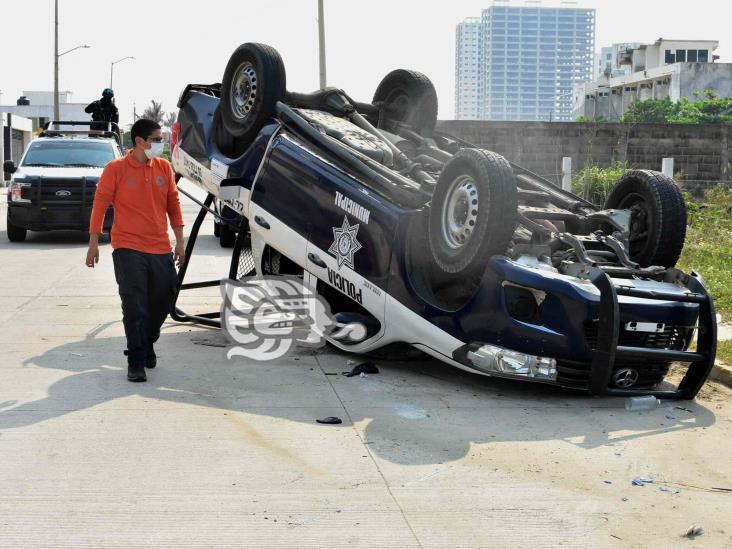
(69, 154)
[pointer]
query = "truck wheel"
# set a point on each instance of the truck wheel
(15, 233)
(658, 216)
(473, 212)
(408, 97)
(253, 83)
(227, 236)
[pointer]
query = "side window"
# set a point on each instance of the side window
(691, 56)
(703, 56)
(670, 57)
(680, 56)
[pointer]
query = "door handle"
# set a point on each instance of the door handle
(315, 259)
(261, 222)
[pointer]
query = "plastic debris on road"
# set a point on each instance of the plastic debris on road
(641, 481)
(637, 404)
(362, 368)
(608, 481)
(330, 420)
(693, 531)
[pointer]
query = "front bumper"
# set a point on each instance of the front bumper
(595, 364)
(54, 217)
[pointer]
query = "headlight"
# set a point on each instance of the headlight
(493, 359)
(15, 191)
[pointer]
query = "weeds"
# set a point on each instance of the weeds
(708, 248)
(593, 183)
(724, 351)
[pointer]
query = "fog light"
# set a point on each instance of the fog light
(493, 359)
(523, 302)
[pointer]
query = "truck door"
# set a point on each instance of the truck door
(350, 243)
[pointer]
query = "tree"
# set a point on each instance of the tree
(170, 119)
(706, 109)
(651, 111)
(154, 112)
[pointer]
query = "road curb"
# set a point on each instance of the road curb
(721, 373)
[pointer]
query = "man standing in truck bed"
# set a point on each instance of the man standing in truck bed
(103, 110)
(142, 189)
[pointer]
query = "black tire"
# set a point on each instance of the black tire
(408, 97)
(658, 220)
(473, 211)
(227, 236)
(15, 233)
(216, 224)
(254, 81)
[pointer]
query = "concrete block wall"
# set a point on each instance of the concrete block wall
(701, 152)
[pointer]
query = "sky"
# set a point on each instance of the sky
(185, 41)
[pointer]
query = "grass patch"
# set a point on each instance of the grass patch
(724, 351)
(708, 248)
(593, 183)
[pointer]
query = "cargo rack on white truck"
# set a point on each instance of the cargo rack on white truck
(53, 129)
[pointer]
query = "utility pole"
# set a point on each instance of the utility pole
(56, 115)
(321, 43)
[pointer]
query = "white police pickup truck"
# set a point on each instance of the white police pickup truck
(53, 187)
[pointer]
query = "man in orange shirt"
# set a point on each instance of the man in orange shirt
(142, 189)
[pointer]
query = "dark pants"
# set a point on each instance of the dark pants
(147, 285)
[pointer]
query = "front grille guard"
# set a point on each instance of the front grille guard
(699, 362)
(37, 192)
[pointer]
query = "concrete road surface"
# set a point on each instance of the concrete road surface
(217, 453)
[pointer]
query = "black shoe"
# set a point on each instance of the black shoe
(136, 373)
(151, 360)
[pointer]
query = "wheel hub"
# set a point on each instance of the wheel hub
(625, 378)
(460, 212)
(243, 91)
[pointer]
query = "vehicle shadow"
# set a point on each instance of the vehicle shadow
(416, 412)
(46, 240)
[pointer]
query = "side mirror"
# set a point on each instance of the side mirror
(9, 166)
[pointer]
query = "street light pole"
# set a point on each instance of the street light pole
(111, 69)
(56, 115)
(56, 55)
(321, 43)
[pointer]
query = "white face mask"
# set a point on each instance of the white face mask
(156, 149)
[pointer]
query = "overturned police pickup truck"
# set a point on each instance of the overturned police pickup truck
(427, 240)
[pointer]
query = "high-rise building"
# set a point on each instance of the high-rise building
(521, 62)
(469, 69)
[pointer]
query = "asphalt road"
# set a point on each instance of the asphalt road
(213, 452)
